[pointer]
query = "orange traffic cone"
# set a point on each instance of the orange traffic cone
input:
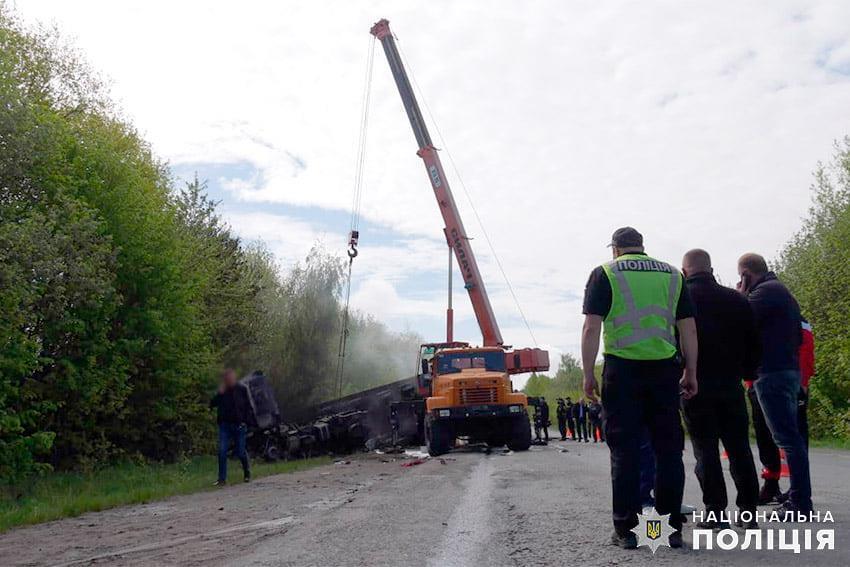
(785, 472)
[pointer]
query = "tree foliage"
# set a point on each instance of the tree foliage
(122, 296)
(815, 265)
(567, 381)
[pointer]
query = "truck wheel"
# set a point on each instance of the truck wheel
(438, 437)
(520, 434)
(272, 454)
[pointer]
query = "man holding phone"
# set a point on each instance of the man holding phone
(777, 385)
(640, 303)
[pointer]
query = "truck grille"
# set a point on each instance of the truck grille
(478, 396)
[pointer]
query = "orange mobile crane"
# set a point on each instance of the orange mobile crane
(467, 390)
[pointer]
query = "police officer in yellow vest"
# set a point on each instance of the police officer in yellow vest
(639, 303)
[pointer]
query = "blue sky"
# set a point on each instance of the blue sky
(304, 226)
(699, 123)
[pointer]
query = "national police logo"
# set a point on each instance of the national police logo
(653, 530)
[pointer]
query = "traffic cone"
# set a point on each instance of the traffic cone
(784, 471)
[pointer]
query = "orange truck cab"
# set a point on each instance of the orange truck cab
(468, 393)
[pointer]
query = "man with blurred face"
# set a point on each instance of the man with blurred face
(777, 386)
(640, 303)
(232, 408)
(728, 352)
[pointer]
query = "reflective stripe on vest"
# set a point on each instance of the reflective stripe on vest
(632, 316)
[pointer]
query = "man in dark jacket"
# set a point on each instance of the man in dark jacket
(544, 417)
(769, 455)
(571, 423)
(580, 418)
(594, 418)
(728, 351)
(232, 409)
(778, 321)
(561, 414)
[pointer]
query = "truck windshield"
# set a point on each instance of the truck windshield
(455, 362)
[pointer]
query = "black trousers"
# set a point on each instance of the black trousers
(721, 416)
(638, 395)
(562, 426)
(769, 456)
(571, 427)
(596, 430)
(581, 429)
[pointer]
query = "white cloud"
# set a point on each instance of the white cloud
(697, 123)
(288, 238)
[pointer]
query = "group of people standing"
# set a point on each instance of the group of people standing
(681, 341)
(579, 421)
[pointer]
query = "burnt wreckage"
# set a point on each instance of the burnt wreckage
(386, 415)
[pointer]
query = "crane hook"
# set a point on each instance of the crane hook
(353, 239)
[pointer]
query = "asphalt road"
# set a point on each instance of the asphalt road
(549, 506)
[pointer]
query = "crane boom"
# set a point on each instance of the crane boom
(455, 233)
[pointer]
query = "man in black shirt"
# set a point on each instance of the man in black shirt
(561, 414)
(580, 419)
(728, 353)
(594, 418)
(642, 304)
(544, 417)
(571, 423)
(232, 409)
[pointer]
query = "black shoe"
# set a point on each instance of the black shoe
(713, 525)
(769, 491)
(675, 540)
(220, 483)
(626, 541)
(751, 525)
(789, 512)
(247, 478)
(783, 497)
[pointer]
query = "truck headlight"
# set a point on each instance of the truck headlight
(515, 409)
(444, 412)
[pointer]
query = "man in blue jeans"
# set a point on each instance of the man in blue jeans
(233, 408)
(778, 321)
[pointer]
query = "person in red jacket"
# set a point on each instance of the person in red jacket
(769, 455)
(807, 370)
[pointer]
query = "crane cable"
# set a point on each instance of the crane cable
(354, 229)
(468, 196)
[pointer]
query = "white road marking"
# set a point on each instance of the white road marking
(469, 525)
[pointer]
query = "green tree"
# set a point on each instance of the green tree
(122, 297)
(815, 265)
(567, 381)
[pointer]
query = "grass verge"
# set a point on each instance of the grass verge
(62, 495)
(831, 443)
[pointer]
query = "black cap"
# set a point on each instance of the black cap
(626, 237)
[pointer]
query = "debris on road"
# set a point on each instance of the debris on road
(417, 453)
